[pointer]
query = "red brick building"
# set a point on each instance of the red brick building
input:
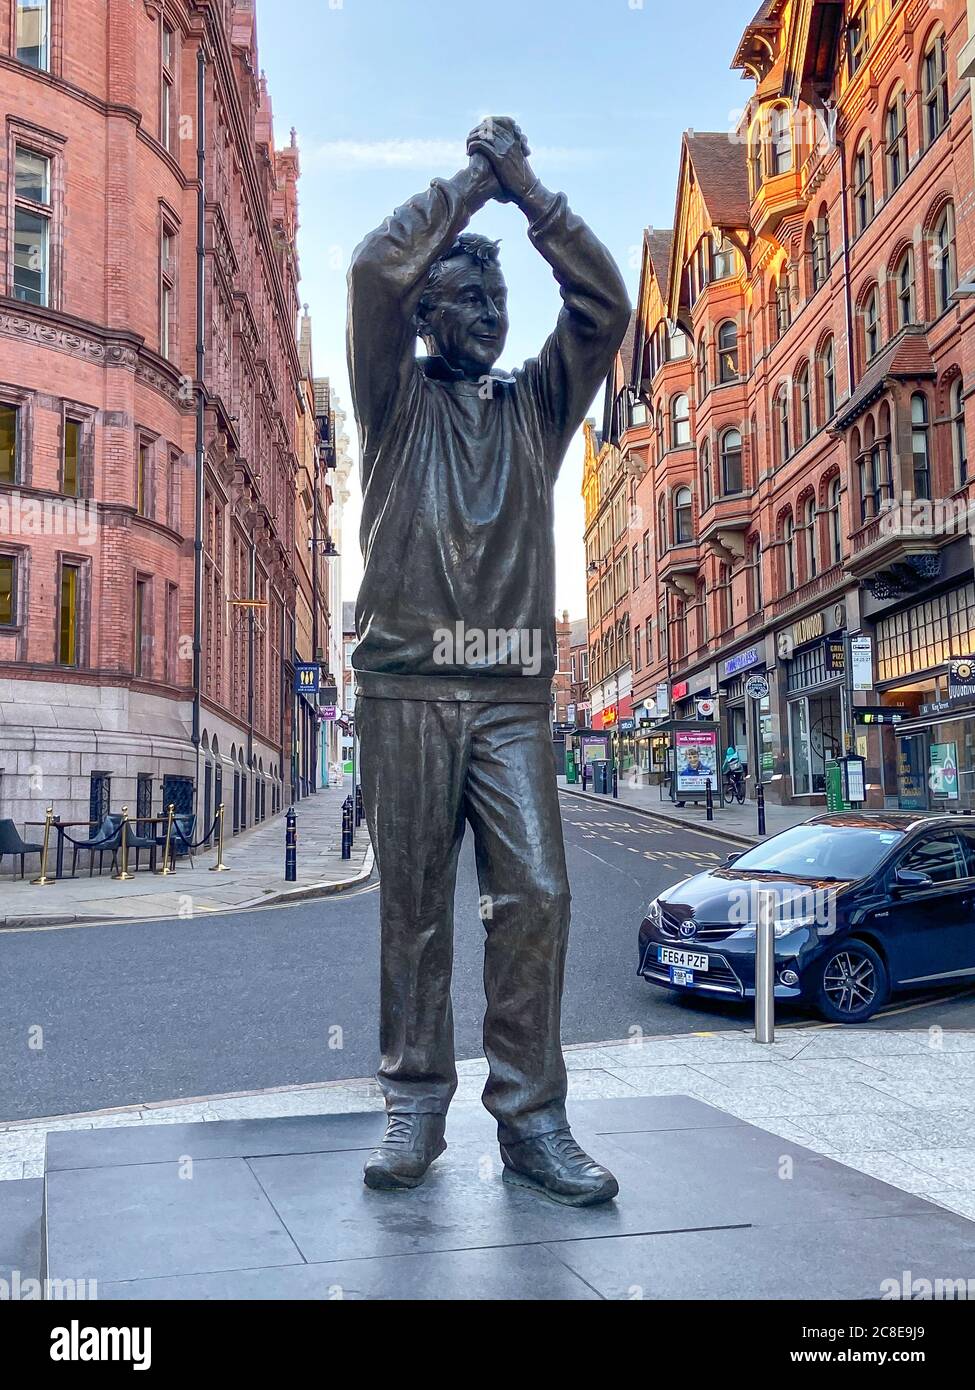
(802, 364)
(129, 671)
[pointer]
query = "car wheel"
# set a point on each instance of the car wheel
(853, 983)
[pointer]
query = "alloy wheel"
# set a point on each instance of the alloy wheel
(850, 982)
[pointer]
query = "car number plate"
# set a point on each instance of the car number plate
(680, 976)
(688, 960)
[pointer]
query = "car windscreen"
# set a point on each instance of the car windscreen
(821, 851)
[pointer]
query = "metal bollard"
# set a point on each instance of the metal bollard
(359, 811)
(616, 781)
(585, 774)
(760, 802)
(347, 816)
(709, 799)
(765, 969)
(291, 846)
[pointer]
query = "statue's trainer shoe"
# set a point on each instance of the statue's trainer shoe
(555, 1166)
(409, 1146)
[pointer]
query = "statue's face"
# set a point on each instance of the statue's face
(468, 323)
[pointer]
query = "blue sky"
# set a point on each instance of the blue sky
(384, 92)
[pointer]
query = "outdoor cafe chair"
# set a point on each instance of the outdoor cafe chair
(12, 843)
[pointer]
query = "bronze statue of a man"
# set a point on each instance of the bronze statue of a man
(456, 621)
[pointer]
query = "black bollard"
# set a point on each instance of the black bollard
(585, 774)
(347, 828)
(291, 847)
(760, 800)
(616, 781)
(359, 812)
(709, 800)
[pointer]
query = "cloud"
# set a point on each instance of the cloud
(420, 154)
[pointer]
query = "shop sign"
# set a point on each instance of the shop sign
(808, 629)
(910, 786)
(680, 690)
(835, 656)
(861, 662)
(756, 687)
(741, 661)
(663, 700)
(308, 678)
(961, 679)
(697, 759)
(570, 714)
(610, 716)
(327, 713)
(943, 770)
(706, 709)
(627, 726)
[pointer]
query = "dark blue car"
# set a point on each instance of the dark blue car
(863, 905)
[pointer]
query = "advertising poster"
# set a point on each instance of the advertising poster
(697, 759)
(943, 771)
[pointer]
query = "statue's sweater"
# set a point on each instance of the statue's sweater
(458, 475)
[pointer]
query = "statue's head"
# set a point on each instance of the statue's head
(463, 312)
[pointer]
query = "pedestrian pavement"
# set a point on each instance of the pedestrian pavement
(736, 824)
(896, 1104)
(255, 876)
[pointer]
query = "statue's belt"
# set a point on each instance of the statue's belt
(488, 690)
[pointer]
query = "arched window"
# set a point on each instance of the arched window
(959, 439)
(661, 446)
(921, 445)
(702, 369)
(780, 140)
(944, 260)
(680, 422)
(662, 540)
(755, 564)
(683, 526)
(783, 433)
(871, 325)
(835, 522)
(804, 403)
(863, 202)
(896, 146)
(728, 361)
(731, 470)
(906, 296)
(934, 88)
(707, 482)
(704, 627)
(676, 343)
(789, 554)
(809, 525)
(827, 360)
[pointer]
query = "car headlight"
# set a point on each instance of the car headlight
(653, 912)
(781, 929)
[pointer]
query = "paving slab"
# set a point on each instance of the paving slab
(21, 1203)
(709, 1206)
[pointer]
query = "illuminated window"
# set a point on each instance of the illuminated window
(8, 575)
(8, 443)
(71, 458)
(68, 615)
(728, 352)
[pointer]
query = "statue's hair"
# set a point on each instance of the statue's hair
(477, 248)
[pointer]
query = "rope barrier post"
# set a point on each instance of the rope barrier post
(43, 878)
(169, 839)
(220, 867)
(291, 847)
(123, 875)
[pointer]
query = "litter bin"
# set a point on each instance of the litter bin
(601, 776)
(571, 771)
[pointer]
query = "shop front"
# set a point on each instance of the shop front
(814, 654)
(925, 672)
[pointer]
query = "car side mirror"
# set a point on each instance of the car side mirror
(732, 859)
(906, 879)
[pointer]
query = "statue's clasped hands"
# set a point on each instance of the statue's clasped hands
(500, 142)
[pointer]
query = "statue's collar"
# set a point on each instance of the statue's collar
(439, 369)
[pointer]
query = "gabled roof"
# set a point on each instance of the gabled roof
(656, 261)
(907, 357)
(720, 163)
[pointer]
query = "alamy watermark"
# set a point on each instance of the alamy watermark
(485, 648)
(49, 516)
